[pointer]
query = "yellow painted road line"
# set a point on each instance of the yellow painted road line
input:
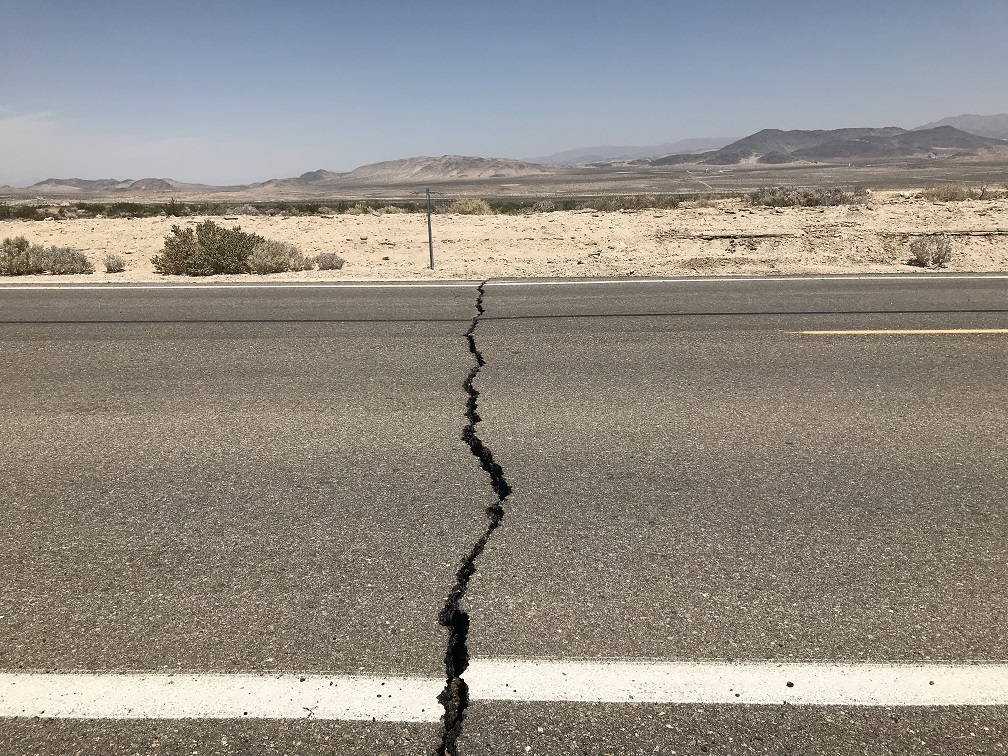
(902, 331)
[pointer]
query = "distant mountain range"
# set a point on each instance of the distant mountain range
(611, 154)
(418, 170)
(992, 126)
(409, 170)
(961, 136)
(775, 147)
(110, 185)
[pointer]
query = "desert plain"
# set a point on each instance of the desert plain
(699, 238)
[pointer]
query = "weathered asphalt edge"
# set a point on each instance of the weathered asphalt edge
(455, 696)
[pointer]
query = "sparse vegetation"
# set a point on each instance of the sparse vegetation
(64, 261)
(795, 196)
(19, 212)
(329, 261)
(15, 257)
(469, 206)
(19, 258)
(358, 208)
(114, 264)
(466, 205)
(276, 257)
(931, 251)
(948, 193)
(615, 203)
(208, 250)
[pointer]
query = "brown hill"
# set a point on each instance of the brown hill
(151, 185)
(444, 168)
(77, 184)
(993, 126)
(320, 176)
(773, 146)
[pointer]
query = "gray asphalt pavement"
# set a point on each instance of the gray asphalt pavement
(274, 479)
(694, 479)
(230, 480)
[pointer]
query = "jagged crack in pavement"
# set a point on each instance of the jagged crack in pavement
(455, 696)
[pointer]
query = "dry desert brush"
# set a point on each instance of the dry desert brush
(16, 257)
(64, 261)
(798, 196)
(948, 193)
(328, 261)
(277, 257)
(19, 258)
(931, 251)
(209, 249)
(114, 264)
(469, 206)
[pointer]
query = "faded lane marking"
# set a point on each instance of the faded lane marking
(901, 331)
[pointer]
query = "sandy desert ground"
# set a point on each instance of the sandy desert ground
(726, 237)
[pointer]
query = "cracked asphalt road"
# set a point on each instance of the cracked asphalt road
(265, 479)
(695, 480)
(232, 480)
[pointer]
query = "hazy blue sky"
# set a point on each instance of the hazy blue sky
(243, 91)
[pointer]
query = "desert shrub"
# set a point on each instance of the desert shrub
(114, 264)
(208, 250)
(931, 251)
(19, 258)
(15, 257)
(227, 250)
(633, 202)
(358, 208)
(794, 196)
(21, 212)
(947, 193)
(329, 261)
(544, 206)
(61, 260)
(392, 210)
(181, 254)
(469, 206)
(275, 257)
(25, 212)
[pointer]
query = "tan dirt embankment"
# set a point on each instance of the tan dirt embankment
(726, 238)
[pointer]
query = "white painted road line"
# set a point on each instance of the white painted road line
(207, 696)
(744, 279)
(335, 697)
(903, 331)
(764, 683)
(170, 286)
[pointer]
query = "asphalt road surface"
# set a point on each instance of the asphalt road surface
(273, 480)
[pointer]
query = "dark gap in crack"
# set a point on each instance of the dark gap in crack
(455, 696)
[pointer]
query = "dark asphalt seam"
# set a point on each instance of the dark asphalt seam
(455, 697)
